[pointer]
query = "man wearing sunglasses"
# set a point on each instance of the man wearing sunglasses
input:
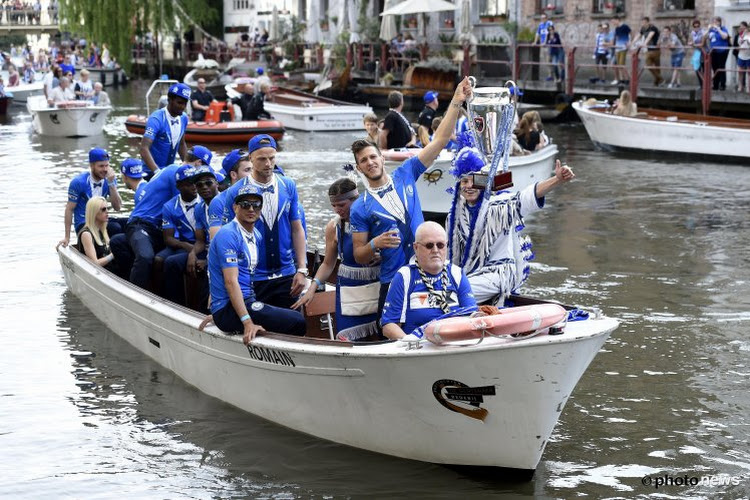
(232, 261)
(208, 188)
(427, 288)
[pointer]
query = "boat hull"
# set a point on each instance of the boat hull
(21, 93)
(379, 397)
(216, 133)
(432, 186)
(610, 131)
(319, 119)
(66, 122)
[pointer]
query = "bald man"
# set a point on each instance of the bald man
(427, 288)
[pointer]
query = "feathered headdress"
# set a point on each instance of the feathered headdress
(468, 160)
(466, 139)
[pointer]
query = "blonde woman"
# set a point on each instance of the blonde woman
(93, 240)
(625, 105)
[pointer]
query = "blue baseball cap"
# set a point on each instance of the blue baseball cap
(203, 153)
(430, 96)
(260, 141)
(133, 168)
(180, 90)
(219, 176)
(230, 161)
(203, 170)
(184, 173)
(259, 71)
(248, 190)
(98, 154)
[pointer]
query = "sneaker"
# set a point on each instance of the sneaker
(549, 79)
(677, 85)
(669, 86)
(615, 82)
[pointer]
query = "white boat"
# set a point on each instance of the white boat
(303, 111)
(208, 69)
(489, 404)
(22, 92)
(67, 119)
(665, 131)
(434, 184)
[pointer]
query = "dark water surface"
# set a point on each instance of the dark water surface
(663, 245)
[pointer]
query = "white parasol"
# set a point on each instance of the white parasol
(312, 30)
(388, 24)
(465, 24)
(418, 7)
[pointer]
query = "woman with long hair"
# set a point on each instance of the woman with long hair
(93, 240)
(357, 286)
(527, 135)
(625, 105)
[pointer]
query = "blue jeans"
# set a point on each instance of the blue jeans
(556, 58)
(272, 319)
(145, 239)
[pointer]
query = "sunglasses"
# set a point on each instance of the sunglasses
(206, 183)
(246, 204)
(431, 245)
(103, 209)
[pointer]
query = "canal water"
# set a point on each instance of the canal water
(661, 244)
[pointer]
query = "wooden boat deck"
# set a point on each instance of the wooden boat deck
(686, 118)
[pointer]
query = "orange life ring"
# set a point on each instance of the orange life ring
(71, 104)
(509, 321)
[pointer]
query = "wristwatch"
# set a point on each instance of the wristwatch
(302, 270)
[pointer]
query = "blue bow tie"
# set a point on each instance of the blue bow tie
(383, 192)
(267, 189)
(174, 121)
(97, 184)
(190, 207)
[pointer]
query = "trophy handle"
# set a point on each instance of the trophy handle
(472, 82)
(512, 84)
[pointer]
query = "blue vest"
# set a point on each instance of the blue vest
(79, 192)
(160, 133)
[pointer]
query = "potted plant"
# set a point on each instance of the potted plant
(387, 79)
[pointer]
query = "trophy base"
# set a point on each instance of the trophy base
(503, 180)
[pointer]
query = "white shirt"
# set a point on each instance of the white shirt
(390, 200)
(60, 95)
(175, 127)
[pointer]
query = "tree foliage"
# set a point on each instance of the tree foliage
(116, 22)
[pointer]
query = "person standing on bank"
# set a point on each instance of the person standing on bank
(200, 100)
(98, 181)
(540, 38)
(385, 218)
(397, 132)
(282, 263)
(718, 46)
(426, 116)
(649, 38)
(165, 131)
(232, 262)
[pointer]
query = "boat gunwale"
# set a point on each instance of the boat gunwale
(659, 117)
(312, 345)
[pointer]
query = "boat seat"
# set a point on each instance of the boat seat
(319, 315)
(293, 100)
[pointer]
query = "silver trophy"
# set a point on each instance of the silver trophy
(491, 111)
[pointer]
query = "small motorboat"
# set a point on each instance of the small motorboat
(303, 111)
(662, 131)
(434, 184)
(490, 403)
(208, 69)
(68, 118)
(22, 92)
(219, 127)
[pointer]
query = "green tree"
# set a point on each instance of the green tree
(116, 22)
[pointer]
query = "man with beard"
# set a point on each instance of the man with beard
(385, 218)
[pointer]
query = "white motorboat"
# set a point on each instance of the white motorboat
(22, 92)
(67, 119)
(208, 69)
(434, 184)
(303, 111)
(665, 131)
(489, 404)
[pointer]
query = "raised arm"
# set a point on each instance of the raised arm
(443, 134)
(114, 195)
(562, 175)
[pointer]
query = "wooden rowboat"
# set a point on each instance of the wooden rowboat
(490, 404)
(661, 131)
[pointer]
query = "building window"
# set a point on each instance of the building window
(677, 5)
(549, 7)
(493, 7)
(608, 7)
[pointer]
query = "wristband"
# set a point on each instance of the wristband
(372, 245)
(302, 270)
(244, 318)
(456, 104)
(318, 282)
